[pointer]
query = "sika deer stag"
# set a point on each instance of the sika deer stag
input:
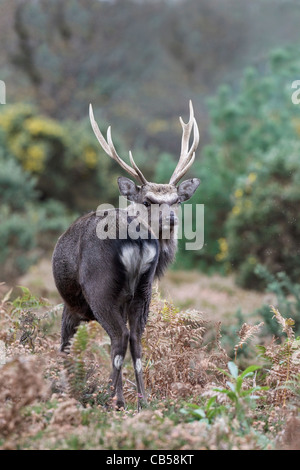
(109, 279)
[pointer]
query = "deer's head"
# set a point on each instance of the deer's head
(146, 193)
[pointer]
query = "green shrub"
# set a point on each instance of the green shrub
(28, 227)
(247, 126)
(64, 157)
(16, 186)
(263, 225)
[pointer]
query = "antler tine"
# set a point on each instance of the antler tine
(134, 165)
(180, 174)
(187, 155)
(186, 131)
(109, 148)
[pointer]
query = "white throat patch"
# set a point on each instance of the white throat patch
(137, 261)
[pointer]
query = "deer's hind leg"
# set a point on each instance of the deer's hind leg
(71, 318)
(69, 324)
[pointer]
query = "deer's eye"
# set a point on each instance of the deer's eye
(146, 203)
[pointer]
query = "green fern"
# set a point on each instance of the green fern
(75, 364)
(85, 383)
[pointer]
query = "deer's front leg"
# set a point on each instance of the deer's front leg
(109, 316)
(136, 353)
(137, 320)
(119, 345)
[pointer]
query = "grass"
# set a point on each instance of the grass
(201, 396)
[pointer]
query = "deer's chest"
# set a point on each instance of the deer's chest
(137, 259)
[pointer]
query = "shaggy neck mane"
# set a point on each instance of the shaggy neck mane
(167, 251)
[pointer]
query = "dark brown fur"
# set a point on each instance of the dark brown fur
(96, 283)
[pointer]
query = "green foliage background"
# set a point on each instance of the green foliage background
(237, 64)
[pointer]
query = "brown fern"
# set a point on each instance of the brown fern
(176, 361)
(246, 332)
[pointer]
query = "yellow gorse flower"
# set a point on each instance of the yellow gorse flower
(252, 177)
(236, 210)
(32, 138)
(44, 126)
(238, 193)
(11, 113)
(90, 157)
(34, 159)
(223, 249)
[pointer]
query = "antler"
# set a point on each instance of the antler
(187, 156)
(109, 148)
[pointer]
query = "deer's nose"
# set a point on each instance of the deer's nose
(172, 218)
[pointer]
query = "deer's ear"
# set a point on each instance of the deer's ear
(128, 188)
(187, 188)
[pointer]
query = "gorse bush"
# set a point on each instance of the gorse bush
(18, 224)
(263, 225)
(32, 139)
(28, 228)
(17, 187)
(253, 130)
(249, 174)
(63, 157)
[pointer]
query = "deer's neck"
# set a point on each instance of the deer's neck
(167, 253)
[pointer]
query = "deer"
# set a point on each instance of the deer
(110, 279)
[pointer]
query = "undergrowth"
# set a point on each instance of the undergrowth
(200, 396)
